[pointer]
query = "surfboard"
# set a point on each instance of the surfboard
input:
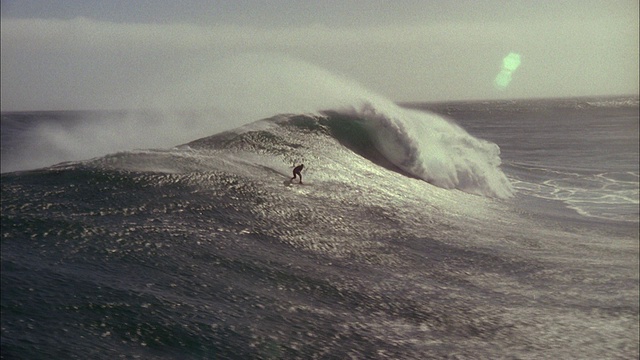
(292, 183)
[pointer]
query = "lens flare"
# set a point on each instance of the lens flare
(509, 65)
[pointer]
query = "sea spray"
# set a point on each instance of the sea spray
(252, 86)
(49, 138)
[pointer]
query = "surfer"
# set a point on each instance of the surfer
(296, 172)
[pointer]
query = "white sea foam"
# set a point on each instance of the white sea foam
(607, 195)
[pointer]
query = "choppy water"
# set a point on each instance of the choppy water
(409, 238)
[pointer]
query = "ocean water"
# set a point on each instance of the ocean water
(462, 230)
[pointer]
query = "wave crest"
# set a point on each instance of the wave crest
(434, 149)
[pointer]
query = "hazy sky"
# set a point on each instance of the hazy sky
(121, 54)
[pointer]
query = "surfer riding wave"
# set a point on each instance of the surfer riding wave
(296, 172)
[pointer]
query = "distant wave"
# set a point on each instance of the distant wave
(615, 102)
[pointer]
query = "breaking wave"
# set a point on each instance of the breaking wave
(435, 149)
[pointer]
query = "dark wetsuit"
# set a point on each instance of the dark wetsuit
(296, 172)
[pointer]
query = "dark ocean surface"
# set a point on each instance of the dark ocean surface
(504, 229)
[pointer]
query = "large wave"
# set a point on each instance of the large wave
(425, 145)
(416, 143)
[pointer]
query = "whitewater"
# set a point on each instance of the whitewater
(456, 230)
